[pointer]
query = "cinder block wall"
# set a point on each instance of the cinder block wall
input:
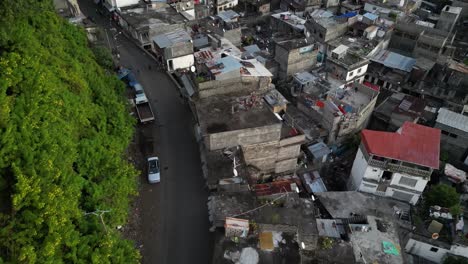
(243, 137)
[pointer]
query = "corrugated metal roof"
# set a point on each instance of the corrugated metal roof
(313, 182)
(394, 60)
(415, 143)
(169, 39)
(452, 119)
(319, 150)
(371, 16)
(228, 15)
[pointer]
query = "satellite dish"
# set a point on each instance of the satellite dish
(235, 172)
(435, 236)
(192, 68)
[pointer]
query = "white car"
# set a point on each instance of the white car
(140, 96)
(154, 175)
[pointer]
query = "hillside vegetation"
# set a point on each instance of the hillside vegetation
(64, 128)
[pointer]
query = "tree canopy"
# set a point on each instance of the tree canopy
(442, 195)
(64, 128)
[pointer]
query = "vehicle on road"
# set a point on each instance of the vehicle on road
(154, 171)
(140, 96)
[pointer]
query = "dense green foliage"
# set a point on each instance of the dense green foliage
(442, 195)
(64, 127)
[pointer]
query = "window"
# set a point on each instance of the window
(351, 74)
(434, 249)
(407, 181)
(359, 70)
(374, 170)
(368, 185)
(452, 135)
(445, 132)
(321, 35)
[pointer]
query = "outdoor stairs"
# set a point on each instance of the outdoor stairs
(405, 215)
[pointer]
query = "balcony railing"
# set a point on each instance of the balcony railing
(386, 165)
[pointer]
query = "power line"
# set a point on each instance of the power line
(99, 213)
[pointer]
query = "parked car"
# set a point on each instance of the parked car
(154, 175)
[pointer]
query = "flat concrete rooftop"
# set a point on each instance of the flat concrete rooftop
(226, 113)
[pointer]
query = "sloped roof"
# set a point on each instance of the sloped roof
(413, 143)
(452, 119)
(394, 60)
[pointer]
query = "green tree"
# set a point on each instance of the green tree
(442, 195)
(64, 127)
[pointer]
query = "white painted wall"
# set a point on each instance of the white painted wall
(182, 62)
(424, 250)
(373, 173)
(420, 184)
(366, 187)
(123, 3)
(389, 193)
(355, 73)
(358, 170)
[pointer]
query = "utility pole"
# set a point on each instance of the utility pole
(99, 213)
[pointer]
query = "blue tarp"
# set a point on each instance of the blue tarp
(347, 15)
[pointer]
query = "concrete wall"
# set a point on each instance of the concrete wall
(357, 172)
(178, 50)
(423, 250)
(235, 85)
(285, 165)
(420, 184)
(262, 156)
(447, 20)
(463, 5)
(294, 61)
(243, 137)
(183, 62)
(274, 155)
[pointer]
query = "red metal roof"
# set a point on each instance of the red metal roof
(413, 143)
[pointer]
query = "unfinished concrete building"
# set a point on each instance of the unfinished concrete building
(448, 18)
(421, 41)
(295, 56)
(343, 112)
(248, 121)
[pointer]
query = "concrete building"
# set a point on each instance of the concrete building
(448, 18)
(174, 50)
(398, 164)
(357, 218)
(324, 29)
(247, 122)
(463, 4)
(421, 41)
(262, 7)
(144, 22)
(300, 5)
(222, 70)
(294, 56)
(346, 66)
(343, 112)
(434, 250)
(223, 5)
(287, 23)
(454, 127)
(397, 109)
(225, 25)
